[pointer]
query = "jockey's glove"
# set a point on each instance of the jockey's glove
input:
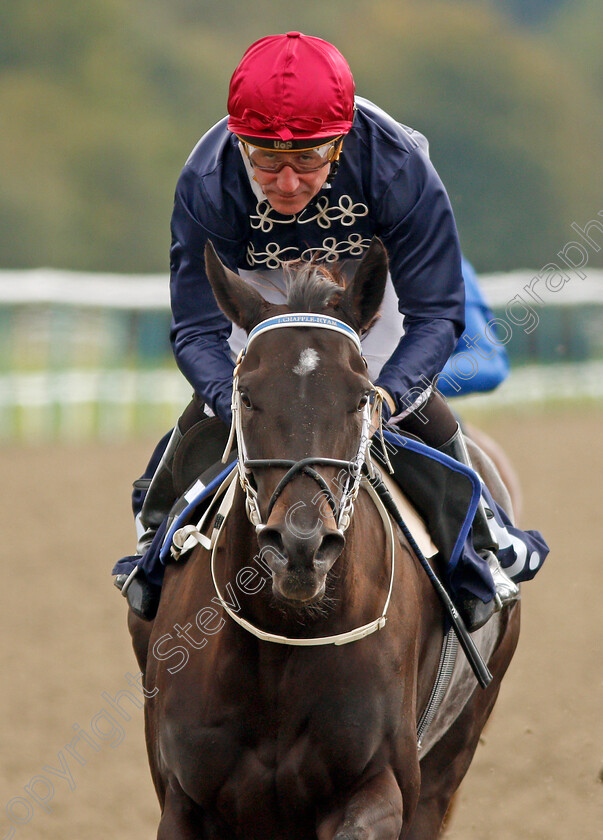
(389, 406)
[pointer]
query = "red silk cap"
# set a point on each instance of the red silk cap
(289, 88)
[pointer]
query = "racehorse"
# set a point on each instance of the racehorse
(281, 701)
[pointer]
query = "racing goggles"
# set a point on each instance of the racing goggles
(301, 161)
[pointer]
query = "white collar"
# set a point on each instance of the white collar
(257, 190)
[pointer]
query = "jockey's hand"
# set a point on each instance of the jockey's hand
(389, 408)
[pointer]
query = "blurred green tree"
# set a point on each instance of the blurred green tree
(101, 102)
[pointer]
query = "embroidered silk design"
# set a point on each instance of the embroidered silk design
(264, 221)
(330, 251)
(273, 257)
(346, 211)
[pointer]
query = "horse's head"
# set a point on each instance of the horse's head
(302, 394)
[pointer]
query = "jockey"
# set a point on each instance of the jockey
(301, 169)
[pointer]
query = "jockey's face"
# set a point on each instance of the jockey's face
(289, 191)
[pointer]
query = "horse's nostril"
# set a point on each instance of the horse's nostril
(272, 549)
(329, 549)
(283, 551)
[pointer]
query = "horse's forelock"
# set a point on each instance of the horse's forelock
(313, 288)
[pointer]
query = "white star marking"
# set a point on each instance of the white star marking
(308, 361)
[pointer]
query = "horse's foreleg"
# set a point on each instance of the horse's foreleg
(181, 818)
(140, 631)
(373, 813)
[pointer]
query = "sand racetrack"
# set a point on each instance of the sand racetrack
(66, 650)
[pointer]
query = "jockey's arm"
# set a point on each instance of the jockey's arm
(200, 331)
(420, 234)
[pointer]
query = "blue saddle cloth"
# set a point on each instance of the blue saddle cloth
(458, 490)
(157, 555)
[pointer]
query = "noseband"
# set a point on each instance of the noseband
(342, 510)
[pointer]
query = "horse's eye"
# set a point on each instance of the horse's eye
(363, 401)
(245, 400)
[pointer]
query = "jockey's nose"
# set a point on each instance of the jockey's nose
(287, 180)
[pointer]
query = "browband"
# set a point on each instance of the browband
(305, 319)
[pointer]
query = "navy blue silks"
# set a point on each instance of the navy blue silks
(385, 186)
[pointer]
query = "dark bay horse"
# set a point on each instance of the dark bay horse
(251, 734)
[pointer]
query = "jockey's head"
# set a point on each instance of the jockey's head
(290, 103)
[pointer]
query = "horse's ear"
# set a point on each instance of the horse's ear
(364, 294)
(237, 300)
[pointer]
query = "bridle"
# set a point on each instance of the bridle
(356, 467)
(342, 510)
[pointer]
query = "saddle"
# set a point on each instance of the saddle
(199, 453)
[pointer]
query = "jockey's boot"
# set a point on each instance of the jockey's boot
(141, 594)
(472, 609)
